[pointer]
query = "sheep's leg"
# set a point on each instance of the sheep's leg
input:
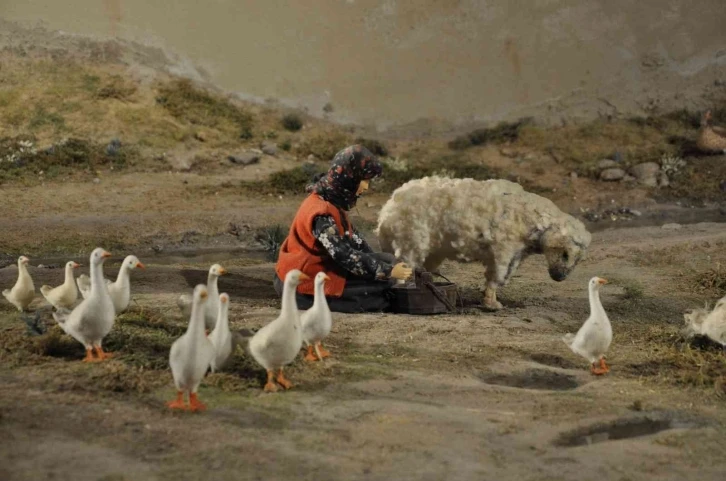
(490, 296)
(499, 270)
(490, 291)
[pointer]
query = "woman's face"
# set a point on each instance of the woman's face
(362, 187)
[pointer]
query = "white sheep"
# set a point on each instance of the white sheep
(495, 222)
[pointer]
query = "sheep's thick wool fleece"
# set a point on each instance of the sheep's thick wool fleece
(455, 218)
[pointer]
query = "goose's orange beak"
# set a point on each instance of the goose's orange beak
(326, 277)
(304, 277)
(105, 255)
(140, 265)
(602, 281)
(222, 271)
(223, 299)
(76, 264)
(203, 294)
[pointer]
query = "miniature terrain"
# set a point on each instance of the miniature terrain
(98, 147)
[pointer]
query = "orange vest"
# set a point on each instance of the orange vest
(301, 250)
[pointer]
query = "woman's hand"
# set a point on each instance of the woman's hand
(401, 271)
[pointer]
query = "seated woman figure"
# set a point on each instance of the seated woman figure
(321, 238)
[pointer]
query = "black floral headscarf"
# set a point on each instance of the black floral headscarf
(349, 167)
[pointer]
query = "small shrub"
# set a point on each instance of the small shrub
(396, 174)
(291, 181)
(271, 238)
(712, 280)
(324, 146)
(502, 132)
(19, 157)
(116, 88)
(671, 164)
(285, 145)
(632, 290)
(375, 146)
(42, 118)
(186, 102)
(292, 122)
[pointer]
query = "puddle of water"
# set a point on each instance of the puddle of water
(660, 217)
(533, 379)
(620, 429)
(185, 256)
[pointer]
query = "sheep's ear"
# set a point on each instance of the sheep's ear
(552, 238)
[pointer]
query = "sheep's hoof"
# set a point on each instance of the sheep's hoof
(493, 306)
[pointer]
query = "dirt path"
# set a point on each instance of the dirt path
(475, 396)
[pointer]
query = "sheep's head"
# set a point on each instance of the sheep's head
(564, 248)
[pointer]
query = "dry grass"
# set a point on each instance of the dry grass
(665, 356)
(581, 147)
(712, 281)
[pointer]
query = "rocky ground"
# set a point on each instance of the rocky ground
(98, 148)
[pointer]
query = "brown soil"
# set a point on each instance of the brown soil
(469, 396)
(456, 397)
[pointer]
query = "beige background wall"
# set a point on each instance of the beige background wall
(396, 62)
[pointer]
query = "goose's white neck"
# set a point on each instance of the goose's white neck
(123, 275)
(69, 276)
(222, 317)
(595, 304)
(289, 304)
(319, 301)
(196, 320)
(212, 287)
(97, 283)
(22, 269)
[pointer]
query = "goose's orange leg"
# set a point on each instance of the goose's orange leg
(270, 386)
(178, 403)
(195, 404)
(89, 356)
(310, 356)
(284, 382)
(601, 369)
(322, 351)
(102, 355)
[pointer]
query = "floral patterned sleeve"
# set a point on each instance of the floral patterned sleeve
(360, 242)
(346, 251)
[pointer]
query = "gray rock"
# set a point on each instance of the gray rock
(269, 148)
(573, 175)
(612, 174)
(663, 179)
(606, 164)
(96, 180)
(646, 173)
(245, 158)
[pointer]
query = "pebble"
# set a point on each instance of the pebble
(606, 164)
(245, 158)
(269, 148)
(96, 180)
(672, 226)
(612, 174)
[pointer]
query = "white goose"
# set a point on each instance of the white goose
(23, 292)
(714, 324)
(277, 343)
(317, 321)
(221, 336)
(191, 355)
(92, 319)
(120, 290)
(212, 308)
(593, 339)
(65, 295)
